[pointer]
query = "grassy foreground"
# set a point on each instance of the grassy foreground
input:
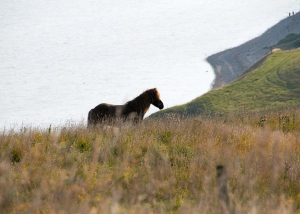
(159, 166)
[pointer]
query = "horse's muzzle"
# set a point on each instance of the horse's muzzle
(161, 105)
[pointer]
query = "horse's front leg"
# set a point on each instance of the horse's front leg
(139, 118)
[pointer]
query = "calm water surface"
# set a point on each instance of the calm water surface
(59, 59)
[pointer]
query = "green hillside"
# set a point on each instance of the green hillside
(291, 41)
(273, 85)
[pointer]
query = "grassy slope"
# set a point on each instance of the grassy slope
(274, 85)
(160, 166)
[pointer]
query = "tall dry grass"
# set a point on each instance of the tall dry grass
(158, 166)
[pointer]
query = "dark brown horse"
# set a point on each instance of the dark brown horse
(132, 110)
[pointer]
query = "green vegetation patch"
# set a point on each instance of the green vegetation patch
(274, 85)
(291, 41)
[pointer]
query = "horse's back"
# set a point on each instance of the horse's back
(108, 109)
(103, 107)
(104, 111)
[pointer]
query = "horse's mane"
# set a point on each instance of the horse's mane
(143, 101)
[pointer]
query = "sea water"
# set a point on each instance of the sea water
(59, 59)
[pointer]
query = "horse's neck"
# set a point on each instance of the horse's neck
(140, 104)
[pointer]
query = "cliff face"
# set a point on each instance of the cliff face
(231, 63)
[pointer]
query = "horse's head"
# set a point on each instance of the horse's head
(156, 101)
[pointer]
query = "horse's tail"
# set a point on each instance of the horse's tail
(91, 118)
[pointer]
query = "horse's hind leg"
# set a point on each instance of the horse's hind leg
(92, 119)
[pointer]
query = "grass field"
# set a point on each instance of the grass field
(158, 166)
(273, 85)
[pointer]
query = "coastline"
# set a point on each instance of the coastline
(231, 63)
